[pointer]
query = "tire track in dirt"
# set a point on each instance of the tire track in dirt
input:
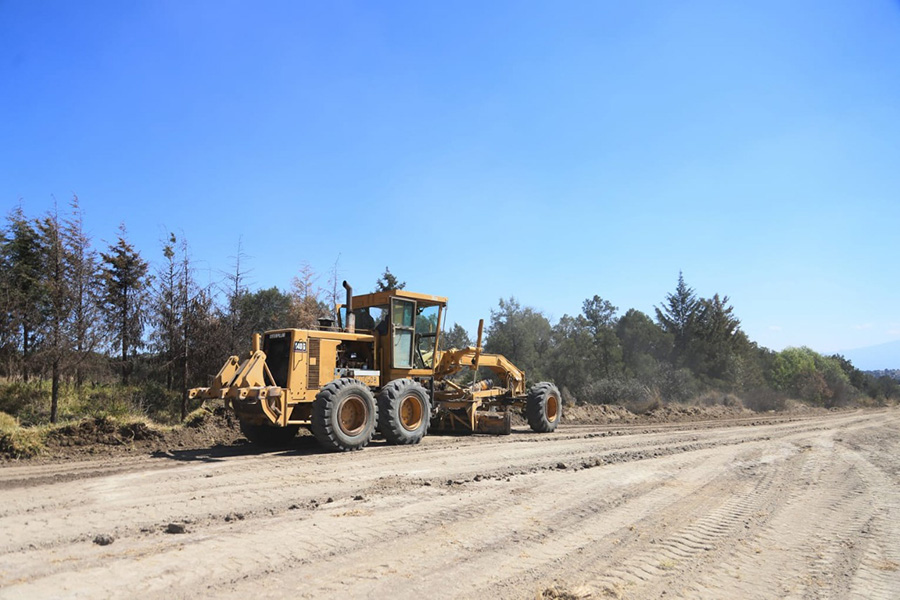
(275, 491)
(794, 554)
(488, 504)
(670, 567)
(811, 545)
(531, 526)
(636, 515)
(542, 553)
(878, 574)
(649, 555)
(32, 475)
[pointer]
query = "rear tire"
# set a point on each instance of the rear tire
(404, 412)
(543, 408)
(269, 436)
(343, 415)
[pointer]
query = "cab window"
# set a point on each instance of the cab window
(403, 325)
(426, 336)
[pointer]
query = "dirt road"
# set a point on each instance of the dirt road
(782, 508)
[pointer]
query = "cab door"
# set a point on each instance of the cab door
(403, 332)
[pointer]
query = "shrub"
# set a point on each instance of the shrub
(677, 385)
(138, 429)
(157, 402)
(23, 399)
(8, 423)
(104, 401)
(764, 399)
(716, 398)
(122, 402)
(19, 442)
(842, 393)
(630, 393)
(197, 418)
(644, 405)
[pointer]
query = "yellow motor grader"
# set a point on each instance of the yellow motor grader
(378, 367)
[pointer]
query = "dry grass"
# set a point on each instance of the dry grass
(197, 418)
(20, 442)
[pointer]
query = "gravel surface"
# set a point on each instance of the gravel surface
(750, 507)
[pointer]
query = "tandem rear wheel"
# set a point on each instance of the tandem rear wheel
(343, 415)
(404, 412)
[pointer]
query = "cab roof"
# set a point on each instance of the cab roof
(382, 298)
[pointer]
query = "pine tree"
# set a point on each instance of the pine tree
(56, 285)
(166, 334)
(235, 294)
(455, 337)
(208, 338)
(124, 295)
(678, 315)
(718, 341)
(23, 292)
(334, 295)
(84, 276)
(306, 308)
(187, 304)
(8, 324)
(600, 316)
(388, 282)
(521, 334)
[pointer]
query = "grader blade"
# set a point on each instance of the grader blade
(494, 423)
(471, 420)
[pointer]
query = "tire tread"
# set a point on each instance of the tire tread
(536, 407)
(389, 421)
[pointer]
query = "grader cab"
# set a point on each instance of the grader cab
(378, 368)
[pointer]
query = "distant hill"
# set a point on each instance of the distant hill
(892, 373)
(875, 358)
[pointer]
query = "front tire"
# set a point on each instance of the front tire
(343, 415)
(543, 408)
(404, 412)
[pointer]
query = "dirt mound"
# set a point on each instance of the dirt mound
(590, 414)
(679, 412)
(101, 431)
(598, 414)
(104, 435)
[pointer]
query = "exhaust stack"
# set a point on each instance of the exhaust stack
(351, 318)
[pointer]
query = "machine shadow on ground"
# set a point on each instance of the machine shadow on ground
(300, 446)
(304, 445)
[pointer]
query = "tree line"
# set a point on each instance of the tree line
(693, 346)
(74, 315)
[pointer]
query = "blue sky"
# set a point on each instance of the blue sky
(544, 150)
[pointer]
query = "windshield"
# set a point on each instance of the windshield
(372, 319)
(426, 336)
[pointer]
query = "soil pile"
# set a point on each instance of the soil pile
(106, 436)
(600, 414)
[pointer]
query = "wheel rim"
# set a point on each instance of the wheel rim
(552, 408)
(352, 415)
(411, 413)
